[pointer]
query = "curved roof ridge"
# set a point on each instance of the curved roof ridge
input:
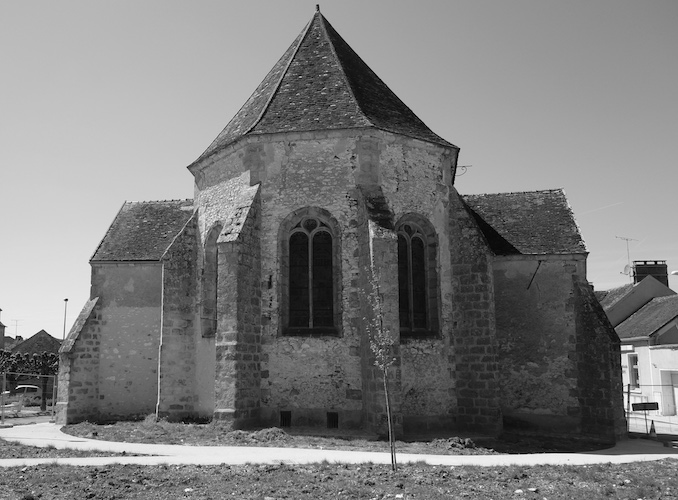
(265, 107)
(323, 25)
(320, 83)
(378, 104)
(232, 129)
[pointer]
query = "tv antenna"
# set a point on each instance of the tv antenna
(16, 326)
(627, 268)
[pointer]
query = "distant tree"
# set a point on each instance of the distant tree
(44, 364)
(11, 363)
(16, 365)
(4, 360)
(5, 357)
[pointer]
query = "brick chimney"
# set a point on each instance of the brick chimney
(655, 268)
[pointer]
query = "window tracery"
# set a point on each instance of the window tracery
(417, 277)
(311, 274)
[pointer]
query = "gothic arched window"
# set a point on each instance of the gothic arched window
(417, 277)
(311, 274)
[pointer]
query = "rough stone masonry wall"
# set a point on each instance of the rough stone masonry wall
(177, 392)
(427, 391)
(77, 389)
(310, 376)
(474, 355)
(238, 339)
(535, 311)
(130, 310)
(417, 178)
(598, 368)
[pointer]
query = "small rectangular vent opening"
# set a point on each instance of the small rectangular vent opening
(285, 419)
(332, 420)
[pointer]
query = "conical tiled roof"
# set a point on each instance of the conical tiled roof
(320, 83)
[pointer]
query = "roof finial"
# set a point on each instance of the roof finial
(317, 7)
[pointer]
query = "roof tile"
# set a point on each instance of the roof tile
(320, 83)
(649, 318)
(38, 343)
(531, 222)
(143, 230)
(608, 298)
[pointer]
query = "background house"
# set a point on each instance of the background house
(645, 316)
(8, 343)
(37, 344)
(40, 344)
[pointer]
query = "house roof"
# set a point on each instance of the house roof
(10, 342)
(608, 298)
(142, 231)
(320, 83)
(529, 222)
(621, 302)
(38, 343)
(649, 318)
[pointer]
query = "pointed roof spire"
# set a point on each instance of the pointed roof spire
(320, 83)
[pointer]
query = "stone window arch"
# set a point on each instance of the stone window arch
(210, 275)
(417, 277)
(310, 265)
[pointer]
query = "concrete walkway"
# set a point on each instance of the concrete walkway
(49, 434)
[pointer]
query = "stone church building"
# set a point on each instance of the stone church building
(249, 303)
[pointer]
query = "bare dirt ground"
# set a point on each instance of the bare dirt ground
(151, 431)
(646, 480)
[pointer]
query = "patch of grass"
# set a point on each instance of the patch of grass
(16, 450)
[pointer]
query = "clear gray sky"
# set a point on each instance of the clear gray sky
(102, 102)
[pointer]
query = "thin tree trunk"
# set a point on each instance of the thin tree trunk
(391, 438)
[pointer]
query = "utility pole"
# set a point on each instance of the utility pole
(65, 309)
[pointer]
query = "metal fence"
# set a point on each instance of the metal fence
(651, 409)
(21, 394)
